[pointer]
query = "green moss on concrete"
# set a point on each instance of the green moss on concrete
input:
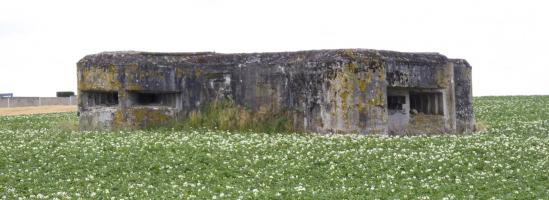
(378, 98)
(144, 117)
(99, 78)
(421, 124)
(226, 115)
(118, 120)
(362, 85)
(442, 77)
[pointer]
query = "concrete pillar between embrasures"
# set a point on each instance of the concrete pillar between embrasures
(9, 102)
(436, 104)
(429, 104)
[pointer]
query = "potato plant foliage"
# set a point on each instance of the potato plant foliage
(43, 157)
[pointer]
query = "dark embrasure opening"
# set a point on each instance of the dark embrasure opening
(429, 103)
(100, 98)
(396, 102)
(152, 99)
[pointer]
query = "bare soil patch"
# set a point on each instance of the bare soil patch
(36, 110)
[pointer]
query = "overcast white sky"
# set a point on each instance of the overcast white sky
(505, 41)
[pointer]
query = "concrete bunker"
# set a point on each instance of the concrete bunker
(343, 91)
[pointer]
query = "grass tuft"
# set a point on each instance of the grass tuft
(225, 115)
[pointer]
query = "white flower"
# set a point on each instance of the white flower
(299, 188)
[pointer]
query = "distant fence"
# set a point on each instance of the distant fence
(10, 102)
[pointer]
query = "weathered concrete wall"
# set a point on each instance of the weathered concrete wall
(321, 91)
(24, 101)
(49, 101)
(4, 103)
(11, 102)
(399, 118)
(465, 119)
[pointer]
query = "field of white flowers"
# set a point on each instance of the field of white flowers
(41, 159)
